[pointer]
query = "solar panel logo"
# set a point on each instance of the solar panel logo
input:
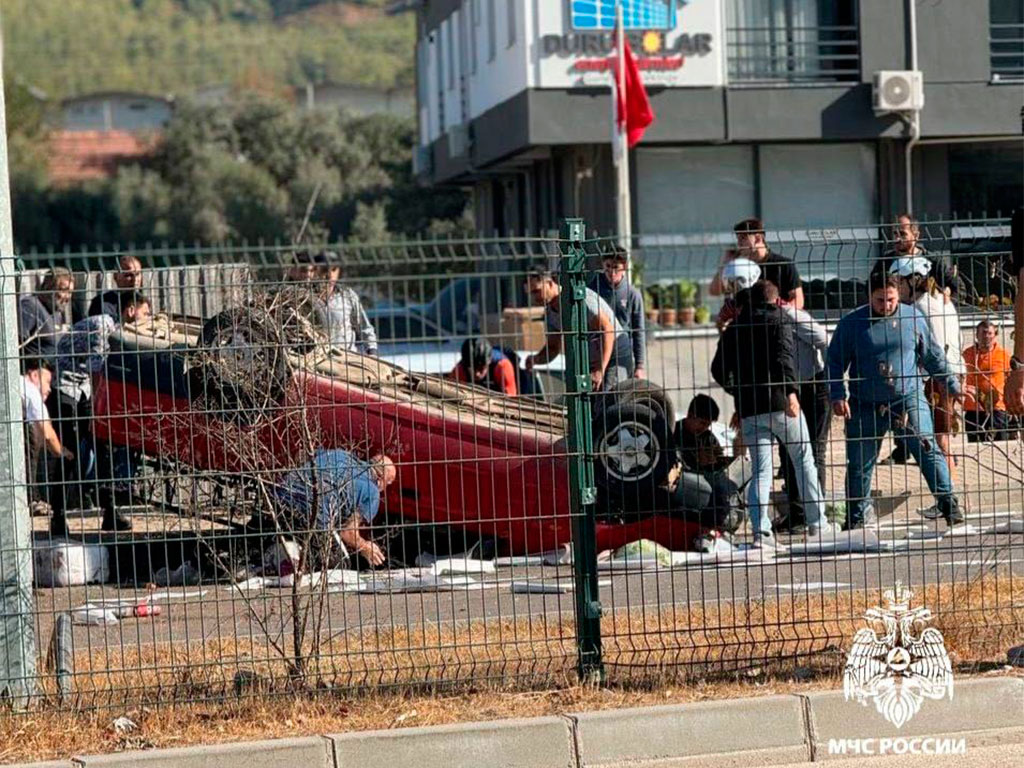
(636, 14)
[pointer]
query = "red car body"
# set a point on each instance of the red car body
(466, 457)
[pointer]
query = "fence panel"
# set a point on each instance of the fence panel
(239, 430)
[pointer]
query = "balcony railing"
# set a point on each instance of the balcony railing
(1006, 51)
(785, 53)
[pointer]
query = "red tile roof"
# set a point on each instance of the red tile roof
(77, 156)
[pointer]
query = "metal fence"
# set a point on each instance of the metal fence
(541, 522)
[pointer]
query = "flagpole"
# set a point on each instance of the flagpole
(620, 144)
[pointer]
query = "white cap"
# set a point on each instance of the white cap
(740, 273)
(906, 266)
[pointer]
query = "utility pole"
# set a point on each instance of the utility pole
(17, 632)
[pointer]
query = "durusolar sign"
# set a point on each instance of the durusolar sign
(676, 44)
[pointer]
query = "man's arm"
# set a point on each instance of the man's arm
(638, 322)
(366, 334)
(717, 287)
(808, 330)
(355, 542)
(51, 440)
(507, 377)
(786, 356)
(606, 327)
(838, 360)
(1014, 393)
(932, 357)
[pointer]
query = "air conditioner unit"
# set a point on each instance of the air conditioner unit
(898, 91)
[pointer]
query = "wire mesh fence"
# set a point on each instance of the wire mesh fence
(266, 469)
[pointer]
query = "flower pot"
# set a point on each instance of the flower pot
(687, 315)
(667, 318)
(652, 316)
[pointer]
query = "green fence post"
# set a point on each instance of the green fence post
(582, 492)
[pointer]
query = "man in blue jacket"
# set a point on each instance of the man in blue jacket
(883, 345)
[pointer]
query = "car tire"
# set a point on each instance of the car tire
(240, 365)
(647, 394)
(633, 454)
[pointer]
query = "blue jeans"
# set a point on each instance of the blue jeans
(909, 418)
(759, 434)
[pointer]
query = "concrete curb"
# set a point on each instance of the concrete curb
(740, 732)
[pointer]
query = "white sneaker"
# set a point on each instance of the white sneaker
(931, 513)
(765, 541)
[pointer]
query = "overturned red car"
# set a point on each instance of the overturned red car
(220, 398)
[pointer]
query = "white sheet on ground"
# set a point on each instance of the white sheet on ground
(860, 540)
(1007, 526)
(548, 587)
(454, 564)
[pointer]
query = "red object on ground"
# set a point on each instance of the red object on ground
(634, 109)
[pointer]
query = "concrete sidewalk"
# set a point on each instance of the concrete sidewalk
(774, 730)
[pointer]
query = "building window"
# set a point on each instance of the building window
(984, 178)
(492, 31)
(792, 40)
(511, 4)
(1006, 39)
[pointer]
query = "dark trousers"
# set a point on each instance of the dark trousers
(64, 481)
(982, 425)
(815, 405)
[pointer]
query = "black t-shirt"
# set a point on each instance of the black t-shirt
(782, 272)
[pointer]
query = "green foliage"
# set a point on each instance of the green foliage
(69, 47)
(248, 171)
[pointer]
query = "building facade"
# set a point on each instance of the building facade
(764, 107)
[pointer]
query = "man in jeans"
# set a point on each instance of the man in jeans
(882, 345)
(755, 364)
(810, 343)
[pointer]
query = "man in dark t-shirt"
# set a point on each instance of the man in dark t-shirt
(777, 269)
(128, 280)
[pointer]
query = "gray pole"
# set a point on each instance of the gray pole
(17, 633)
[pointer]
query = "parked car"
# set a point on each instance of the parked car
(218, 398)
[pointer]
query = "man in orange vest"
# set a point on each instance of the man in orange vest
(987, 366)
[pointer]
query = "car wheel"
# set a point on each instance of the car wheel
(634, 454)
(240, 366)
(647, 394)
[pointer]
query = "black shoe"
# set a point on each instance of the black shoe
(59, 527)
(954, 517)
(115, 522)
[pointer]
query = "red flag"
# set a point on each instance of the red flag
(634, 111)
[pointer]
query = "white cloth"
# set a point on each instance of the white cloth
(945, 325)
(32, 404)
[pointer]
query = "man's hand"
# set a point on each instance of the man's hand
(371, 553)
(66, 454)
(841, 408)
(596, 377)
(793, 406)
(734, 421)
(639, 373)
(528, 363)
(1014, 392)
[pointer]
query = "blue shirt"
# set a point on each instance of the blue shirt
(344, 486)
(883, 356)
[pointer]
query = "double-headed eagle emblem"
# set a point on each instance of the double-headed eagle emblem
(897, 661)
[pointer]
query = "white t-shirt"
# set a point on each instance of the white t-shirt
(32, 402)
(945, 324)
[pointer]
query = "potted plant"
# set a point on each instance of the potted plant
(702, 315)
(650, 305)
(667, 312)
(687, 302)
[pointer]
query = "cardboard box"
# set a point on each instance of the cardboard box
(522, 329)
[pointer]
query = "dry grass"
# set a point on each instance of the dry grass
(487, 671)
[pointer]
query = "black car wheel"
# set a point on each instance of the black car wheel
(634, 454)
(647, 394)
